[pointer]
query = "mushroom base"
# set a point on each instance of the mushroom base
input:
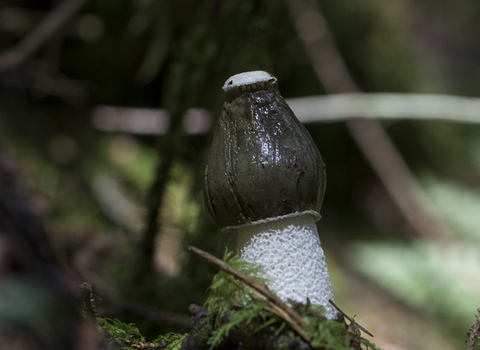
(292, 258)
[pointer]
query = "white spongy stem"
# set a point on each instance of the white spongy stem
(292, 258)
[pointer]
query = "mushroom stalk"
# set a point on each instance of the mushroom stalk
(292, 258)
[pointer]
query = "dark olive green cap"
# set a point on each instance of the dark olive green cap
(263, 163)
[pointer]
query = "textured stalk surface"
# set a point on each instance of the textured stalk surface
(290, 253)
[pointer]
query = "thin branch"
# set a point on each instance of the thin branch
(89, 308)
(52, 22)
(384, 105)
(277, 305)
(308, 109)
(154, 202)
(149, 346)
(169, 148)
(349, 318)
(372, 139)
(474, 334)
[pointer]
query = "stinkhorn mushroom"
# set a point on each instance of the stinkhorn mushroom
(265, 179)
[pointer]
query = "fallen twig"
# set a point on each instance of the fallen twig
(149, 346)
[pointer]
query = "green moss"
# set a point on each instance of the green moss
(327, 334)
(127, 334)
(174, 340)
(369, 345)
(123, 334)
(232, 305)
(227, 292)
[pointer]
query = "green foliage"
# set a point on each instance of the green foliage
(120, 333)
(224, 314)
(330, 334)
(125, 335)
(327, 333)
(232, 305)
(174, 340)
(324, 333)
(369, 344)
(244, 317)
(226, 292)
(421, 276)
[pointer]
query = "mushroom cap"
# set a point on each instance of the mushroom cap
(263, 163)
(248, 78)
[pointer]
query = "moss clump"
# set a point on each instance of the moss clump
(126, 335)
(235, 317)
(174, 340)
(117, 332)
(226, 296)
(239, 319)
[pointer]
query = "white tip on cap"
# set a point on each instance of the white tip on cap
(248, 78)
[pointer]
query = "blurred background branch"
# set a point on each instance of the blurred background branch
(474, 334)
(374, 142)
(339, 107)
(47, 28)
(310, 109)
